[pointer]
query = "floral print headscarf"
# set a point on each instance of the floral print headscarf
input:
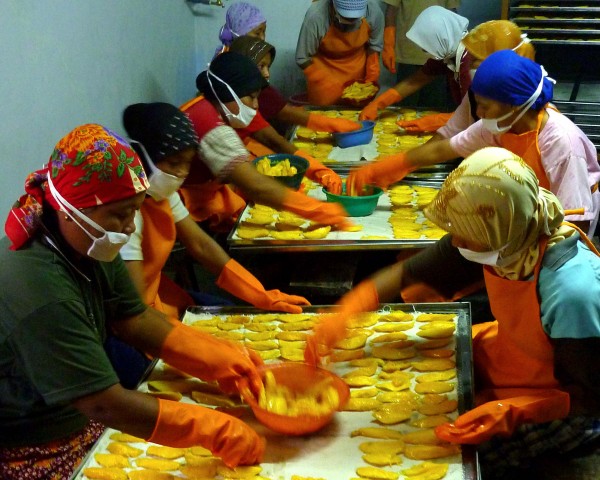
(90, 166)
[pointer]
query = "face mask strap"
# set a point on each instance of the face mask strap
(233, 94)
(68, 209)
(149, 161)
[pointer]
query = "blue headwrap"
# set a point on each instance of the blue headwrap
(507, 77)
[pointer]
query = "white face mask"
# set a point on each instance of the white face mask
(245, 113)
(491, 124)
(104, 248)
(162, 184)
(485, 258)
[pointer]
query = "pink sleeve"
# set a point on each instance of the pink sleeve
(460, 120)
(472, 139)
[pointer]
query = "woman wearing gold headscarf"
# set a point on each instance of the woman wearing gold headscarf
(534, 365)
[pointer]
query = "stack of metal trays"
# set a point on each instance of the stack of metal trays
(558, 22)
(586, 115)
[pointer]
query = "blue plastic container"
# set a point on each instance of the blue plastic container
(362, 136)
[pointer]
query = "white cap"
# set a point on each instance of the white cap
(351, 8)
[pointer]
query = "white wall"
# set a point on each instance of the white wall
(68, 62)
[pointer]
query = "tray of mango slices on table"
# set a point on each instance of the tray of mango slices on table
(408, 368)
(397, 222)
(388, 138)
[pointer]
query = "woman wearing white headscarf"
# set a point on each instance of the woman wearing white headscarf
(535, 367)
(439, 32)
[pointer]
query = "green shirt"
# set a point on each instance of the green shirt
(53, 323)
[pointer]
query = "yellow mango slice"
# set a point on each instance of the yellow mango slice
(435, 331)
(201, 451)
(433, 364)
(387, 446)
(250, 232)
(228, 326)
(345, 355)
(239, 472)
(395, 365)
(124, 449)
(363, 392)
(353, 342)
(397, 317)
(440, 376)
(392, 397)
(263, 345)
(426, 471)
(397, 376)
(361, 371)
(296, 326)
(392, 413)
(261, 327)
(430, 421)
(446, 406)
(366, 362)
(376, 473)
(98, 473)
(392, 337)
(261, 336)
(367, 319)
(202, 462)
(377, 432)
(361, 404)
(161, 451)
(208, 469)
(382, 459)
(111, 460)
(157, 464)
(269, 354)
(390, 327)
(125, 438)
(234, 336)
(393, 387)
(422, 437)
(428, 452)
(389, 352)
(360, 381)
(292, 354)
(316, 233)
(291, 336)
(434, 387)
(437, 353)
(433, 344)
(435, 317)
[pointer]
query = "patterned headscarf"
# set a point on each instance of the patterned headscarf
(253, 48)
(438, 31)
(240, 19)
(489, 37)
(493, 198)
(89, 166)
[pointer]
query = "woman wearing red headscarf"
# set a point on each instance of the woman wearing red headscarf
(65, 287)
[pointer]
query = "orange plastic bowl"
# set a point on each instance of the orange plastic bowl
(298, 377)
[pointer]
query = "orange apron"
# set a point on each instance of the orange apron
(256, 148)
(206, 198)
(526, 146)
(513, 354)
(343, 55)
(158, 238)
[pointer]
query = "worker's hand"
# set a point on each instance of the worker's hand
(389, 48)
(372, 69)
(382, 173)
(332, 327)
(428, 123)
(321, 174)
(240, 282)
(384, 100)
(184, 425)
(211, 359)
(502, 417)
(320, 212)
(321, 123)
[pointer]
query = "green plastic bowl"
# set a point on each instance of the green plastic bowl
(300, 163)
(362, 206)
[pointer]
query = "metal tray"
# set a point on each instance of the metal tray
(374, 225)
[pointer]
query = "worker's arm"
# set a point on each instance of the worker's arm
(413, 83)
(136, 272)
(201, 246)
(270, 138)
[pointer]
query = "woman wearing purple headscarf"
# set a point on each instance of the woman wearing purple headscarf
(241, 19)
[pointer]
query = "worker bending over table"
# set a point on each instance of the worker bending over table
(65, 287)
(339, 43)
(535, 369)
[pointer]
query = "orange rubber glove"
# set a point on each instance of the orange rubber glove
(312, 209)
(182, 425)
(211, 359)
(319, 173)
(321, 123)
(384, 100)
(502, 417)
(240, 282)
(389, 48)
(382, 173)
(428, 123)
(332, 327)
(372, 69)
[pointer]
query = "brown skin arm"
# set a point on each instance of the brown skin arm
(136, 272)
(258, 187)
(293, 115)
(201, 246)
(269, 137)
(413, 83)
(390, 15)
(431, 153)
(116, 407)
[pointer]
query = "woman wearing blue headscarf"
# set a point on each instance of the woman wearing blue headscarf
(513, 95)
